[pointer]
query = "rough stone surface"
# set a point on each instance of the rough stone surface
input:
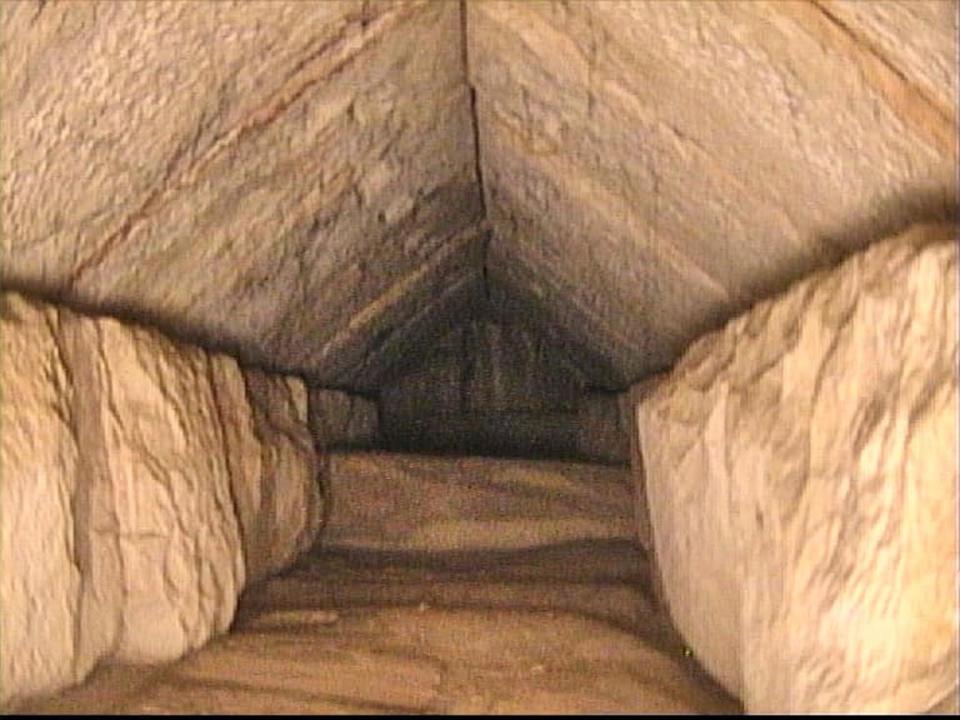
(484, 367)
(652, 168)
(801, 470)
(298, 184)
(126, 461)
(40, 585)
(274, 470)
(493, 389)
(550, 627)
(380, 501)
(293, 182)
(357, 634)
(342, 420)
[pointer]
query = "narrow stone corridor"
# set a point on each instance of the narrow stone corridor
(431, 612)
(479, 356)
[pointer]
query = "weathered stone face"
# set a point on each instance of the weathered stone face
(488, 388)
(303, 185)
(287, 181)
(801, 471)
(325, 190)
(651, 168)
(143, 483)
(426, 504)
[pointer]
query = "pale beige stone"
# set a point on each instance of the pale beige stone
(651, 168)
(165, 456)
(287, 513)
(126, 463)
(40, 583)
(801, 469)
(381, 501)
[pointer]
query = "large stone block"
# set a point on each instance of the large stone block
(273, 464)
(126, 462)
(801, 469)
(162, 451)
(40, 582)
(224, 169)
(650, 169)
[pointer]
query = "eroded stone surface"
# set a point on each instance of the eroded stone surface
(502, 389)
(274, 470)
(650, 169)
(380, 501)
(801, 470)
(40, 584)
(126, 462)
(292, 182)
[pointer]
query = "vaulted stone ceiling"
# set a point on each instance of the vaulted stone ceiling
(325, 187)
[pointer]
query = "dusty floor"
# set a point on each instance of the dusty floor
(535, 612)
(554, 630)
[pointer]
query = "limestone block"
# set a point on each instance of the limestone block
(801, 470)
(486, 387)
(165, 455)
(40, 582)
(125, 465)
(207, 154)
(339, 419)
(287, 515)
(273, 465)
(380, 501)
(650, 169)
(481, 367)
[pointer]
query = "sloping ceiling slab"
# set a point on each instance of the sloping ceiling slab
(650, 168)
(290, 181)
(447, 290)
(296, 182)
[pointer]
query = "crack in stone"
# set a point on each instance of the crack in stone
(477, 153)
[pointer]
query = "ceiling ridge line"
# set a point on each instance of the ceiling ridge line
(477, 162)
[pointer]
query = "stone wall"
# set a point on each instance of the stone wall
(342, 420)
(225, 169)
(501, 389)
(801, 471)
(484, 367)
(483, 388)
(651, 169)
(144, 484)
